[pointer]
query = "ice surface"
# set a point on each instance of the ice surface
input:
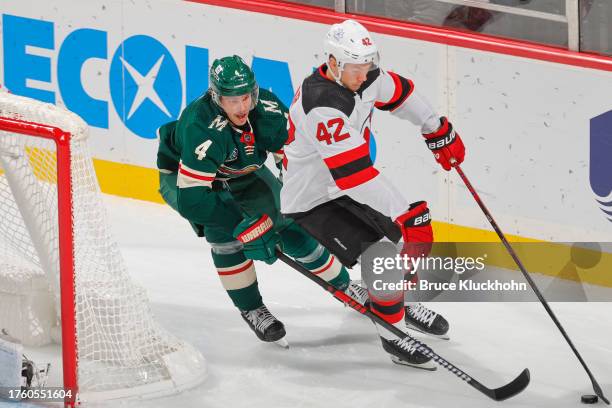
(335, 357)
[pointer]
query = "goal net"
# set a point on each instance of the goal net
(55, 239)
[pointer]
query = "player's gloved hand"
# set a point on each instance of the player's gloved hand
(258, 238)
(415, 225)
(445, 144)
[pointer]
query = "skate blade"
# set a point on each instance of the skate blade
(282, 343)
(418, 329)
(429, 366)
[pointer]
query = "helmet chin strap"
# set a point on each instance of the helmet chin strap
(336, 78)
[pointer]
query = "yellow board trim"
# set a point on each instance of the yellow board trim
(127, 180)
(549, 258)
(445, 232)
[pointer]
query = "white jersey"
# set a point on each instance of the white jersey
(327, 153)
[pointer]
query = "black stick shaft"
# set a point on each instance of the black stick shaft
(518, 262)
(507, 391)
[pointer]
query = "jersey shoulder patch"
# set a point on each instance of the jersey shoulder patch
(269, 121)
(218, 123)
(205, 113)
(270, 105)
(318, 92)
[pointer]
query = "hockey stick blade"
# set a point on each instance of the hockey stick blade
(498, 394)
(599, 392)
(506, 391)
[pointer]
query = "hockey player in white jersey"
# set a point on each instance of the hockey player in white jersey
(331, 187)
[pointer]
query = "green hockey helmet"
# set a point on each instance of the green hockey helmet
(230, 76)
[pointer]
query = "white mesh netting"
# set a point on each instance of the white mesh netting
(122, 351)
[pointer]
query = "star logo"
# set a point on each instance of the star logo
(145, 84)
(145, 87)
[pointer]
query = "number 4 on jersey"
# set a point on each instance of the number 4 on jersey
(335, 125)
(200, 151)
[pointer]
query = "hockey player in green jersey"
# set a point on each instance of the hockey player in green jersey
(212, 171)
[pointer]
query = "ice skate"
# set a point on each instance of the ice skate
(420, 318)
(266, 327)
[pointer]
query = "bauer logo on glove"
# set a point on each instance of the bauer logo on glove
(440, 142)
(423, 219)
(446, 145)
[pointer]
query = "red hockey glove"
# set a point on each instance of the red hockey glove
(445, 144)
(415, 225)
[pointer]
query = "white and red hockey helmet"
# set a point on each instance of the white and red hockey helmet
(350, 43)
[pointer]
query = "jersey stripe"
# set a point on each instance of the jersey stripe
(193, 178)
(195, 173)
(348, 156)
(352, 168)
(357, 178)
(403, 89)
(238, 172)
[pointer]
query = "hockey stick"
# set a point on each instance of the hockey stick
(518, 262)
(498, 394)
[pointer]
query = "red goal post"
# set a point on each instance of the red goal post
(64, 191)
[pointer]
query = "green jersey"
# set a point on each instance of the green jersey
(203, 146)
